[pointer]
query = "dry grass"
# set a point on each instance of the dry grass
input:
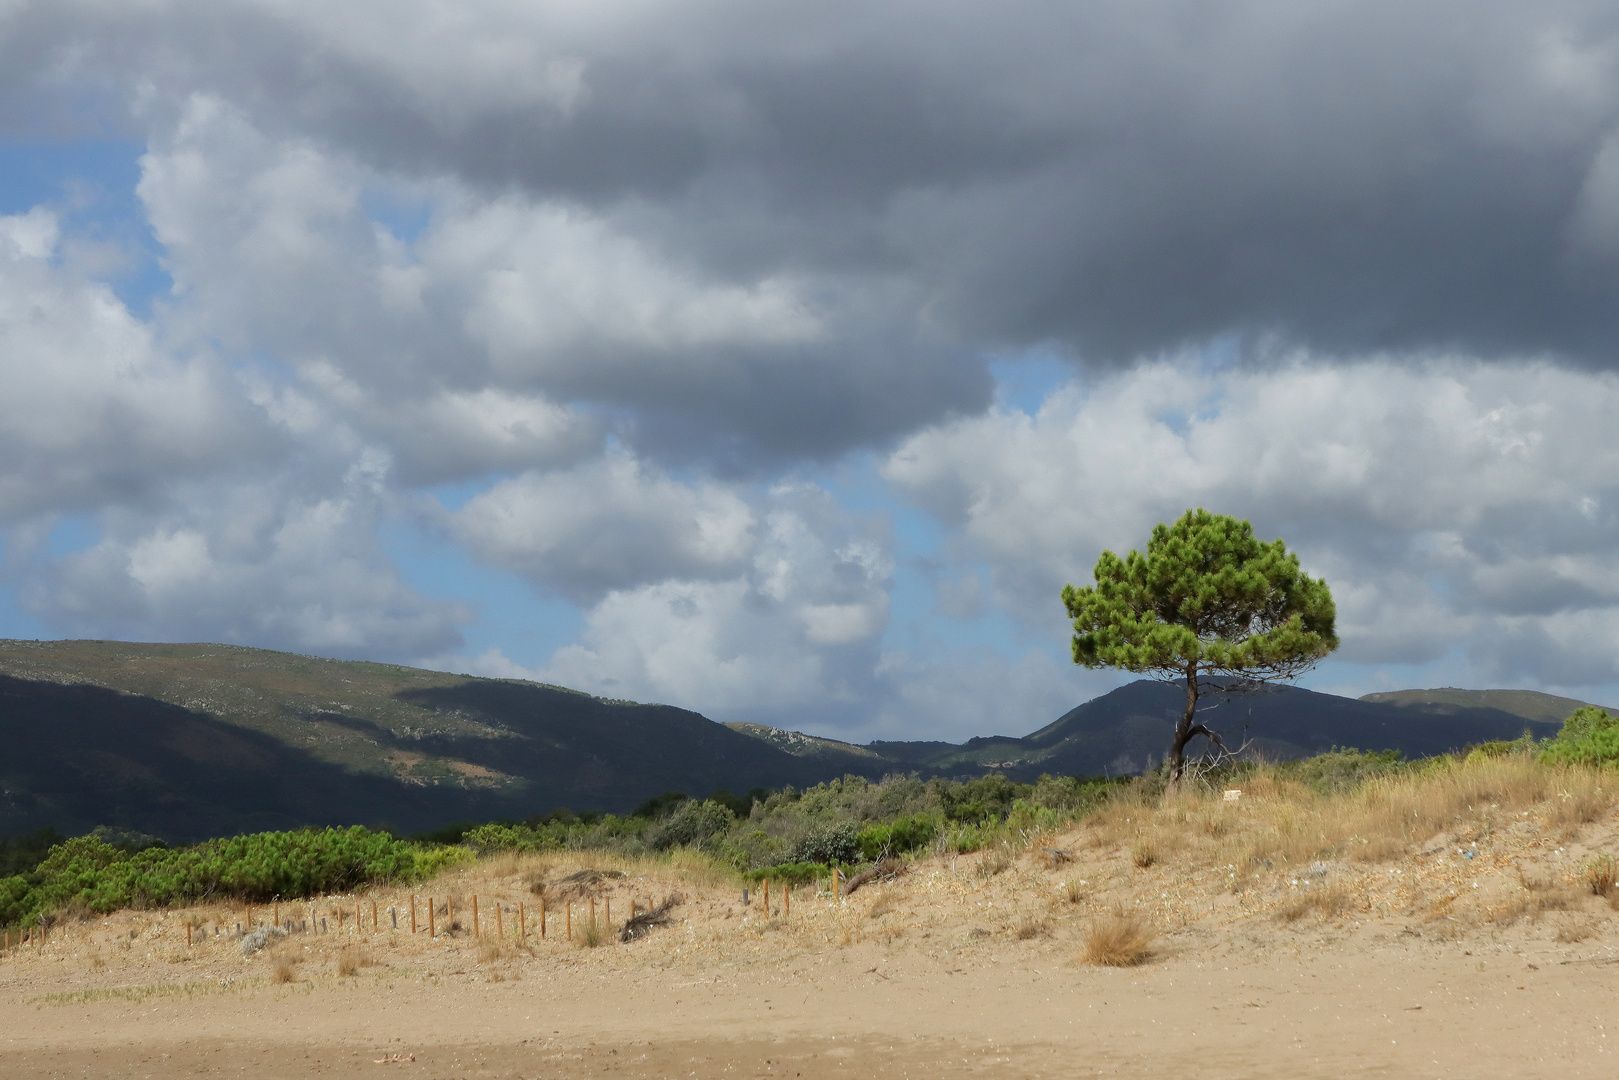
(285, 970)
(1281, 823)
(1031, 926)
(351, 959)
(1123, 938)
(1602, 873)
(1073, 892)
(1324, 901)
(993, 862)
(1572, 933)
(885, 902)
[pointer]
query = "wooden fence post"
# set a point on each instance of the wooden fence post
(373, 916)
(542, 918)
(412, 914)
(474, 914)
(522, 922)
(188, 935)
(568, 913)
(432, 908)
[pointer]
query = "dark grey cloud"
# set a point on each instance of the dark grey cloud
(1115, 179)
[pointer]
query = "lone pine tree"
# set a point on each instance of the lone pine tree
(1206, 601)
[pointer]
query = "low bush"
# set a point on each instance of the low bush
(793, 873)
(87, 872)
(1121, 939)
(902, 836)
(1589, 737)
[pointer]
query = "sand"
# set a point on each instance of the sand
(949, 971)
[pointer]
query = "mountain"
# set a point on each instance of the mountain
(184, 741)
(1129, 730)
(1529, 704)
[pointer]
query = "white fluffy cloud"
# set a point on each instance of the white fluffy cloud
(1451, 504)
(795, 631)
(249, 564)
(609, 277)
(607, 524)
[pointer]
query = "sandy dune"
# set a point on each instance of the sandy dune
(952, 970)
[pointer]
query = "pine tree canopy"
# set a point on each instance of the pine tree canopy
(1206, 598)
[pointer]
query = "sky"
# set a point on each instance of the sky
(783, 361)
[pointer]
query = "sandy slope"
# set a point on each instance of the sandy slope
(939, 984)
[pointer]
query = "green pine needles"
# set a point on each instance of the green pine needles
(1206, 600)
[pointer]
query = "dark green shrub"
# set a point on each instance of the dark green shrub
(902, 836)
(90, 873)
(1589, 737)
(827, 844)
(693, 824)
(792, 873)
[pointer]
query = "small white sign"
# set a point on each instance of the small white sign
(1233, 794)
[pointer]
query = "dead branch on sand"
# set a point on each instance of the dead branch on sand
(886, 870)
(642, 924)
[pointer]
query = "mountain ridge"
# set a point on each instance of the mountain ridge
(187, 740)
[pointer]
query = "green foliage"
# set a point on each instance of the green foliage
(14, 905)
(1589, 737)
(1501, 748)
(792, 873)
(694, 824)
(88, 871)
(828, 844)
(902, 836)
(1206, 596)
(1342, 768)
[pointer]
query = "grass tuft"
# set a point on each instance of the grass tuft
(1123, 938)
(1602, 873)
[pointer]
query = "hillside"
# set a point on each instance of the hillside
(1529, 704)
(192, 740)
(1129, 729)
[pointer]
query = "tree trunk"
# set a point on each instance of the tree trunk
(1183, 730)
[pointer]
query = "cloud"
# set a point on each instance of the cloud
(95, 409)
(614, 277)
(793, 632)
(1449, 504)
(1117, 178)
(249, 564)
(607, 524)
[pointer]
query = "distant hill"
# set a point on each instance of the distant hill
(1129, 730)
(186, 741)
(192, 740)
(1529, 704)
